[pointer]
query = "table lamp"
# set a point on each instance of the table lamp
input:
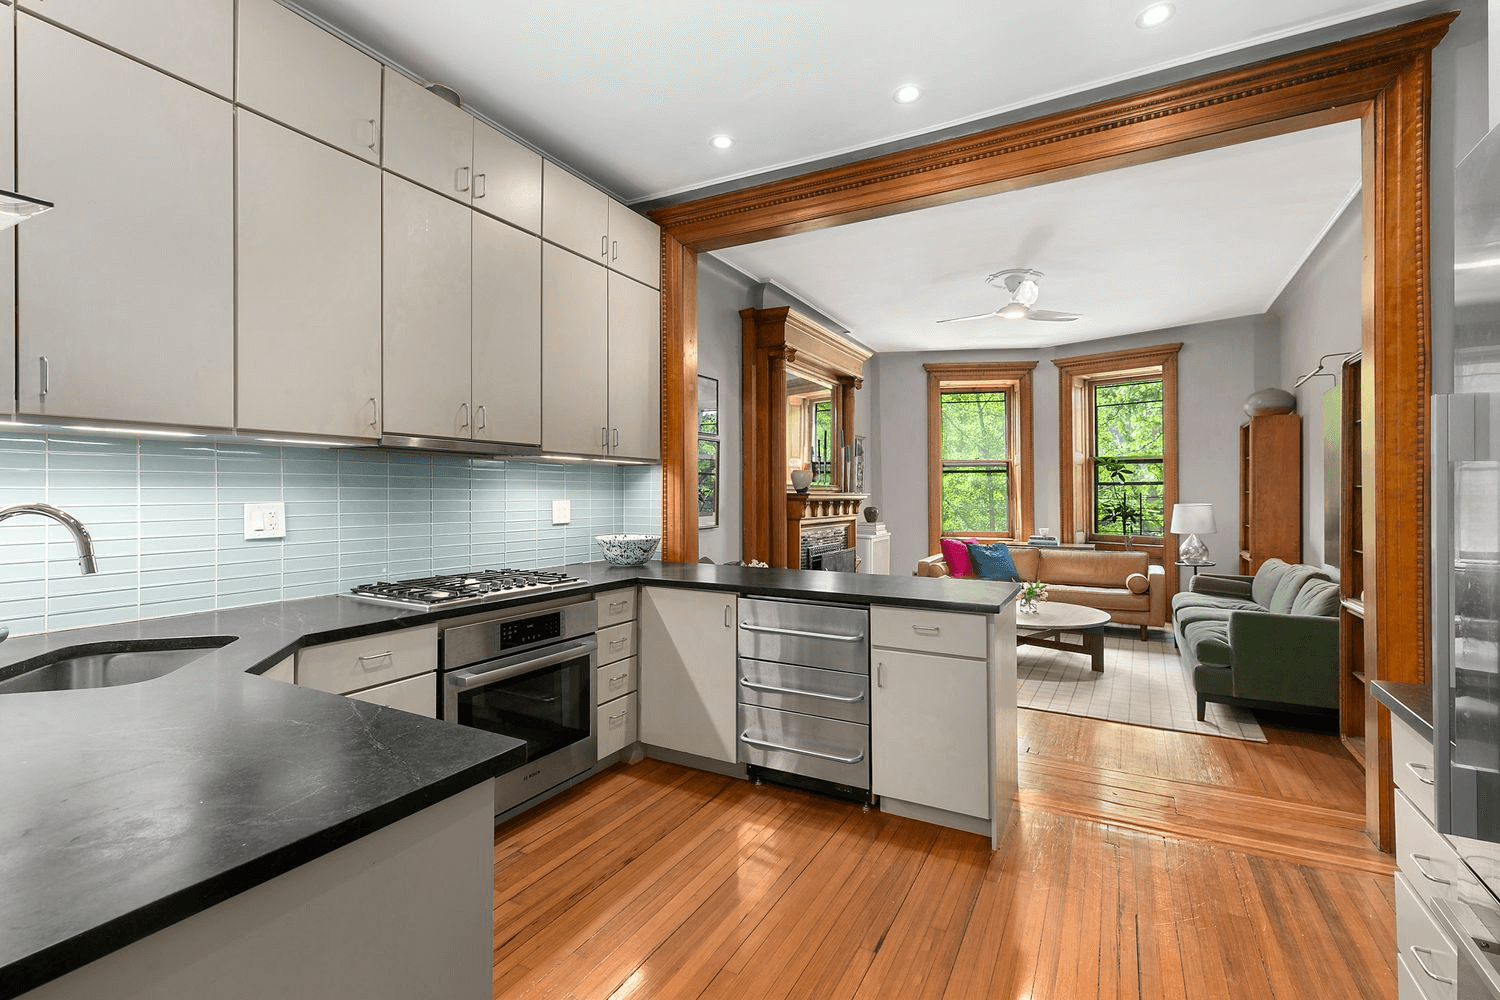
(1191, 520)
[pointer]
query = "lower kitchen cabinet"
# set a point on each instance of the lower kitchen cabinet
(929, 730)
(357, 664)
(617, 725)
(687, 661)
(417, 695)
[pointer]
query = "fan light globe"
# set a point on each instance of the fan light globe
(1012, 310)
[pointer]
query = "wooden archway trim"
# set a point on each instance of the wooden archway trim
(1381, 79)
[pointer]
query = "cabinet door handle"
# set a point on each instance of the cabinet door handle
(1419, 858)
(880, 675)
(481, 416)
(727, 622)
(1417, 953)
(374, 135)
(617, 680)
(464, 408)
(617, 643)
(604, 437)
(604, 246)
(617, 437)
(479, 186)
(461, 178)
(374, 413)
(615, 607)
(614, 250)
(1420, 770)
(46, 376)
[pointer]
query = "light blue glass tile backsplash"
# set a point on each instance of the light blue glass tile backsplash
(167, 519)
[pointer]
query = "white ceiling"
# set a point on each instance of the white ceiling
(1187, 240)
(629, 92)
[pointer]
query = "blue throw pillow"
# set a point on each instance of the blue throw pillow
(993, 562)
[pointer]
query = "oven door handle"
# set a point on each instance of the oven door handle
(477, 677)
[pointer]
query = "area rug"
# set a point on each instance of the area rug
(1142, 684)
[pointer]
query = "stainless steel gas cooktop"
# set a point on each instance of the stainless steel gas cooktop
(463, 588)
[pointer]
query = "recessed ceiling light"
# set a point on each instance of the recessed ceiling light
(908, 94)
(721, 142)
(1155, 15)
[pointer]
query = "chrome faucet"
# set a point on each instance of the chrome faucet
(86, 563)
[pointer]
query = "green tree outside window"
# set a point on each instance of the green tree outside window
(1129, 496)
(976, 463)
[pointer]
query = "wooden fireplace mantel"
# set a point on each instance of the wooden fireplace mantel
(819, 510)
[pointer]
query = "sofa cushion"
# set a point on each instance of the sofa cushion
(993, 562)
(1210, 642)
(1137, 583)
(1213, 680)
(956, 555)
(1189, 600)
(1027, 560)
(1090, 568)
(1263, 587)
(1290, 585)
(1317, 597)
(1103, 598)
(1186, 616)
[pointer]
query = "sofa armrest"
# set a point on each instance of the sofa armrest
(932, 566)
(1222, 585)
(1285, 658)
(1156, 587)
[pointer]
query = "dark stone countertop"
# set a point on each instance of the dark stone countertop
(1411, 702)
(124, 810)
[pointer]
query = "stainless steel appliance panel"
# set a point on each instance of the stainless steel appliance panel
(833, 694)
(805, 744)
(815, 635)
(529, 626)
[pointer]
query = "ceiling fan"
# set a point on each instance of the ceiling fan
(1021, 283)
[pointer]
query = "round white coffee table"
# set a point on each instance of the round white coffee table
(1051, 618)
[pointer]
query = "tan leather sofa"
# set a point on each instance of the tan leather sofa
(1125, 584)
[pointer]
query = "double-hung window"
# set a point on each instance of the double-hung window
(979, 451)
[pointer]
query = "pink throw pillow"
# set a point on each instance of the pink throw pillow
(956, 555)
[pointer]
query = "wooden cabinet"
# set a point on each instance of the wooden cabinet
(191, 39)
(506, 346)
(294, 72)
(308, 349)
(1352, 676)
(1270, 490)
(442, 147)
(129, 293)
(634, 369)
(575, 354)
(601, 370)
(580, 217)
(687, 672)
(918, 695)
(427, 263)
(462, 344)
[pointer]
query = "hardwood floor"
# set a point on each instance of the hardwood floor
(1141, 863)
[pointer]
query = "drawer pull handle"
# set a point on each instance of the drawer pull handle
(853, 700)
(615, 607)
(1421, 771)
(617, 643)
(1417, 953)
(1419, 858)
(617, 718)
(748, 627)
(616, 681)
(927, 629)
(745, 737)
(374, 656)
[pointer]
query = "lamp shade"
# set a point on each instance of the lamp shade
(1193, 519)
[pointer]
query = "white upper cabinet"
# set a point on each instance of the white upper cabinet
(428, 140)
(574, 214)
(634, 369)
(427, 313)
(506, 350)
(507, 179)
(127, 287)
(7, 239)
(634, 245)
(308, 350)
(575, 354)
(192, 39)
(294, 72)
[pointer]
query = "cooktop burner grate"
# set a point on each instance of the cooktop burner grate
(462, 588)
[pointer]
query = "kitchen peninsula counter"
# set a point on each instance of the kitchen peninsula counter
(129, 809)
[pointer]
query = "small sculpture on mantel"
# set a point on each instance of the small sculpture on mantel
(801, 480)
(872, 514)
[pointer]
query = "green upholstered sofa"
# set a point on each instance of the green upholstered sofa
(1267, 641)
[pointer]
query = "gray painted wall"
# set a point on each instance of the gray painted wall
(1320, 312)
(722, 293)
(1217, 371)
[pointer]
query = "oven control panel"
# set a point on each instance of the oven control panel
(528, 631)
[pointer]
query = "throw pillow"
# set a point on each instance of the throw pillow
(1137, 583)
(993, 562)
(956, 555)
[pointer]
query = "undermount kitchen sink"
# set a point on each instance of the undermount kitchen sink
(109, 665)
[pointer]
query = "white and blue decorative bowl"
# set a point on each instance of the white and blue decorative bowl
(628, 550)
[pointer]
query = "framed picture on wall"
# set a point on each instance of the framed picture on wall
(708, 452)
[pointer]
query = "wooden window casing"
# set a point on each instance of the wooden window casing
(1014, 378)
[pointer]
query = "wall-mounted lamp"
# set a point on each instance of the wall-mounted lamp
(1319, 370)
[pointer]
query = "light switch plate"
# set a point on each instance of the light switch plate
(562, 511)
(265, 520)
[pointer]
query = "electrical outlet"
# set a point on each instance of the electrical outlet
(562, 511)
(265, 520)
